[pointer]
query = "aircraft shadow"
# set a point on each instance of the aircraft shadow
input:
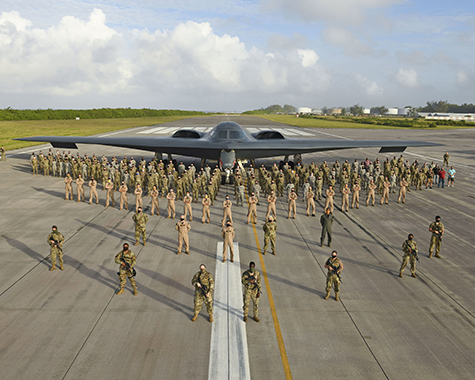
(56, 194)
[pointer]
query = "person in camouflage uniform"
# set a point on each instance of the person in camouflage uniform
(270, 228)
(204, 288)
(437, 229)
(140, 220)
(127, 260)
(334, 266)
(251, 280)
(409, 247)
(56, 241)
(2, 151)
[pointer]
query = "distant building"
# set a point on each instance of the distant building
(448, 116)
(304, 110)
(397, 111)
(367, 111)
(334, 111)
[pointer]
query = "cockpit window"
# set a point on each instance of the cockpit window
(221, 135)
(236, 135)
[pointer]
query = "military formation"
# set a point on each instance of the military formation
(310, 183)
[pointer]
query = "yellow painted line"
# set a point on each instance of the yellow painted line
(278, 332)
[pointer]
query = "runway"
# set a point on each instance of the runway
(70, 324)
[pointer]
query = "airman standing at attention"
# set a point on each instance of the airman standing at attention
(206, 202)
(123, 196)
(68, 187)
(334, 266)
(228, 234)
(80, 188)
(270, 228)
(183, 227)
(292, 203)
(240, 194)
(56, 241)
(370, 195)
(329, 200)
(110, 193)
(127, 260)
(154, 195)
(204, 288)
(446, 159)
(326, 220)
(437, 229)
(345, 198)
(138, 197)
(140, 220)
(271, 199)
(355, 199)
(187, 199)
(402, 190)
(2, 151)
(252, 211)
(227, 211)
(171, 204)
(409, 247)
(310, 201)
(385, 196)
(251, 280)
(93, 190)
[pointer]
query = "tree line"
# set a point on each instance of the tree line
(9, 114)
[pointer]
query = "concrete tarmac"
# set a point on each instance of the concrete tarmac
(70, 324)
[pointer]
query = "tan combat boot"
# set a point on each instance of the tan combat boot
(327, 296)
(61, 266)
(136, 242)
(414, 275)
(135, 291)
(53, 267)
(211, 317)
(195, 316)
(430, 255)
(336, 297)
(400, 274)
(437, 255)
(144, 242)
(120, 291)
(256, 319)
(273, 252)
(245, 318)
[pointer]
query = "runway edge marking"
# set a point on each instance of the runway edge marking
(278, 332)
(229, 356)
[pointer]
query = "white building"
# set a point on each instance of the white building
(304, 110)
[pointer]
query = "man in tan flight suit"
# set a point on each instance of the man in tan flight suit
(271, 199)
(227, 211)
(345, 198)
(154, 195)
(171, 204)
(206, 202)
(138, 197)
(68, 187)
(370, 195)
(228, 234)
(385, 195)
(187, 199)
(310, 202)
(123, 196)
(355, 198)
(93, 190)
(252, 211)
(183, 227)
(110, 193)
(329, 198)
(292, 205)
(80, 188)
(402, 190)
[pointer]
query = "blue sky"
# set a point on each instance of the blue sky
(235, 55)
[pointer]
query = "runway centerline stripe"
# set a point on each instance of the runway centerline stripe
(229, 357)
(278, 332)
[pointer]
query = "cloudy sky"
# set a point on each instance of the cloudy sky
(235, 55)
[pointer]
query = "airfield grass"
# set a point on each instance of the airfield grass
(10, 130)
(334, 122)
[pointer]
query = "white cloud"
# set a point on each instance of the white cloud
(86, 57)
(352, 11)
(352, 46)
(370, 87)
(408, 78)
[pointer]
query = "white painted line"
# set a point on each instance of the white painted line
(229, 357)
(300, 132)
(288, 132)
(169, 130)
(123, 131)
(252, 130)
(200, 129)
